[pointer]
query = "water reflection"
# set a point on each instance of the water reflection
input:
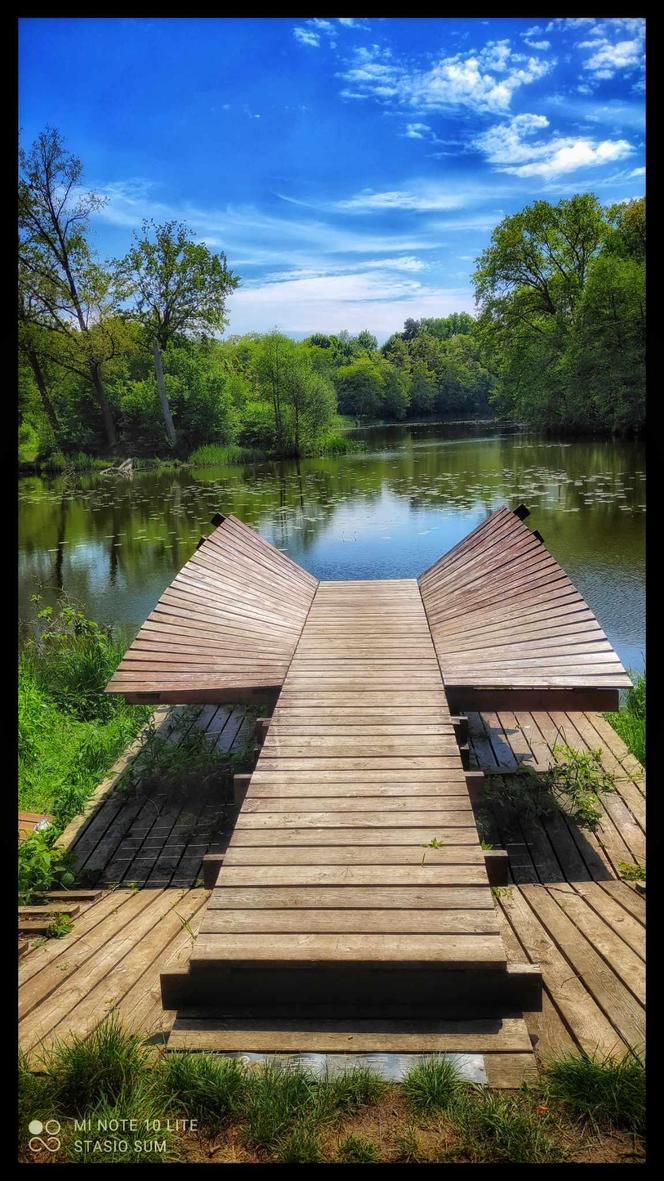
(389, 512)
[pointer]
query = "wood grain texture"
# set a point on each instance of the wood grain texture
(506, 620)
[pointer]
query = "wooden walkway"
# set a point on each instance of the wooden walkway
(328, 842)
(587, 935)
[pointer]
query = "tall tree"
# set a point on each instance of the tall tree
(179, 288)
(66, 292)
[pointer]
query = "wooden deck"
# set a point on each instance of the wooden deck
(157, 835)
(353, 905)
(226, 627)
(511, 629)
(586, 933)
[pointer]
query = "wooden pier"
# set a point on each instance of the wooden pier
(353, 906)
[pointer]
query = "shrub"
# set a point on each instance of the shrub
(573, 785)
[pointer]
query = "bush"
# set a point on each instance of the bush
(573, 785)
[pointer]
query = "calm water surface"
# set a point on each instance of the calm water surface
(113, 545)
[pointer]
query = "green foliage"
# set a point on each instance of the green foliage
(205, 1087)
(279, 1096)
(351, 1089)
(608, 1092)
(357, 1150)
(630, 722)
(632, 872)
(101, 1068)
(497, 1128)
(60, 926)
(70, 732)
(561, 290)
(432, 1085)
(573, 784)
(300, 1145)
(42, 866)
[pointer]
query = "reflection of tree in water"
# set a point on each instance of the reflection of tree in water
(576, 492)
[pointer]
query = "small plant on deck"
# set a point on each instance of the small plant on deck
(573, 785)
(60, 925)
(632, 872)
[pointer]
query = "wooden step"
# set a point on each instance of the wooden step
(408, 988)
(486, 1051)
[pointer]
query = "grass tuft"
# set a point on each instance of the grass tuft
(279, 1096)
(357, 1150)
(300, 1145)
(204, 1087)
(108, 1064)
(497, 1128)
(608, 1092)
(432, 1085)
(351, 1089)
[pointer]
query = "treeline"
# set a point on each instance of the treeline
(126, 355)
(561, 297)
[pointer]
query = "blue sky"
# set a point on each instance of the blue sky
(351, 168)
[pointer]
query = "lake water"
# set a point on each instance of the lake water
(113, 545)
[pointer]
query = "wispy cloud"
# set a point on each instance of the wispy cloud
(511, 149)
(317, 29)
(480, 80)
(424, 199)
(331, 302)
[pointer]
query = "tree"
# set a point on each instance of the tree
(178, 287)
(562, 300)
(64, 290)
(302, 400)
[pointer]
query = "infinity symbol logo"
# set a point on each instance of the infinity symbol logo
(51, 1128)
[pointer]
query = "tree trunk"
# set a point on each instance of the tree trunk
(49, 408)
(104, 404)
(161, 387)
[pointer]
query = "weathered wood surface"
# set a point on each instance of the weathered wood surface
(322, 773)
(226, 627)
(506, 620)
(159, 833)
(585, 1005)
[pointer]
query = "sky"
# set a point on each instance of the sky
(351, 169)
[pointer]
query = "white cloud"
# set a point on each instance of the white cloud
(425, 199)
(482, 80)
(306, 36)
(609, 59)
(538, 44)
(417, 131)
(510, 148)
(380, 300)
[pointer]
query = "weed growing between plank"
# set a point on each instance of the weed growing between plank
(573, 786)
(286, 1114)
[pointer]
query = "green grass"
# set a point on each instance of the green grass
(432, 1085)
(630, 722)
(201, 1086)
(100, 1069)
(285, 1114)
(608, 1092)
(497, 1128)
(70, 732)
(218, 455)
(357, 1150)
(632, 872)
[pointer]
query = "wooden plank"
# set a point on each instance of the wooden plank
(313, 948)
(228, 1035)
